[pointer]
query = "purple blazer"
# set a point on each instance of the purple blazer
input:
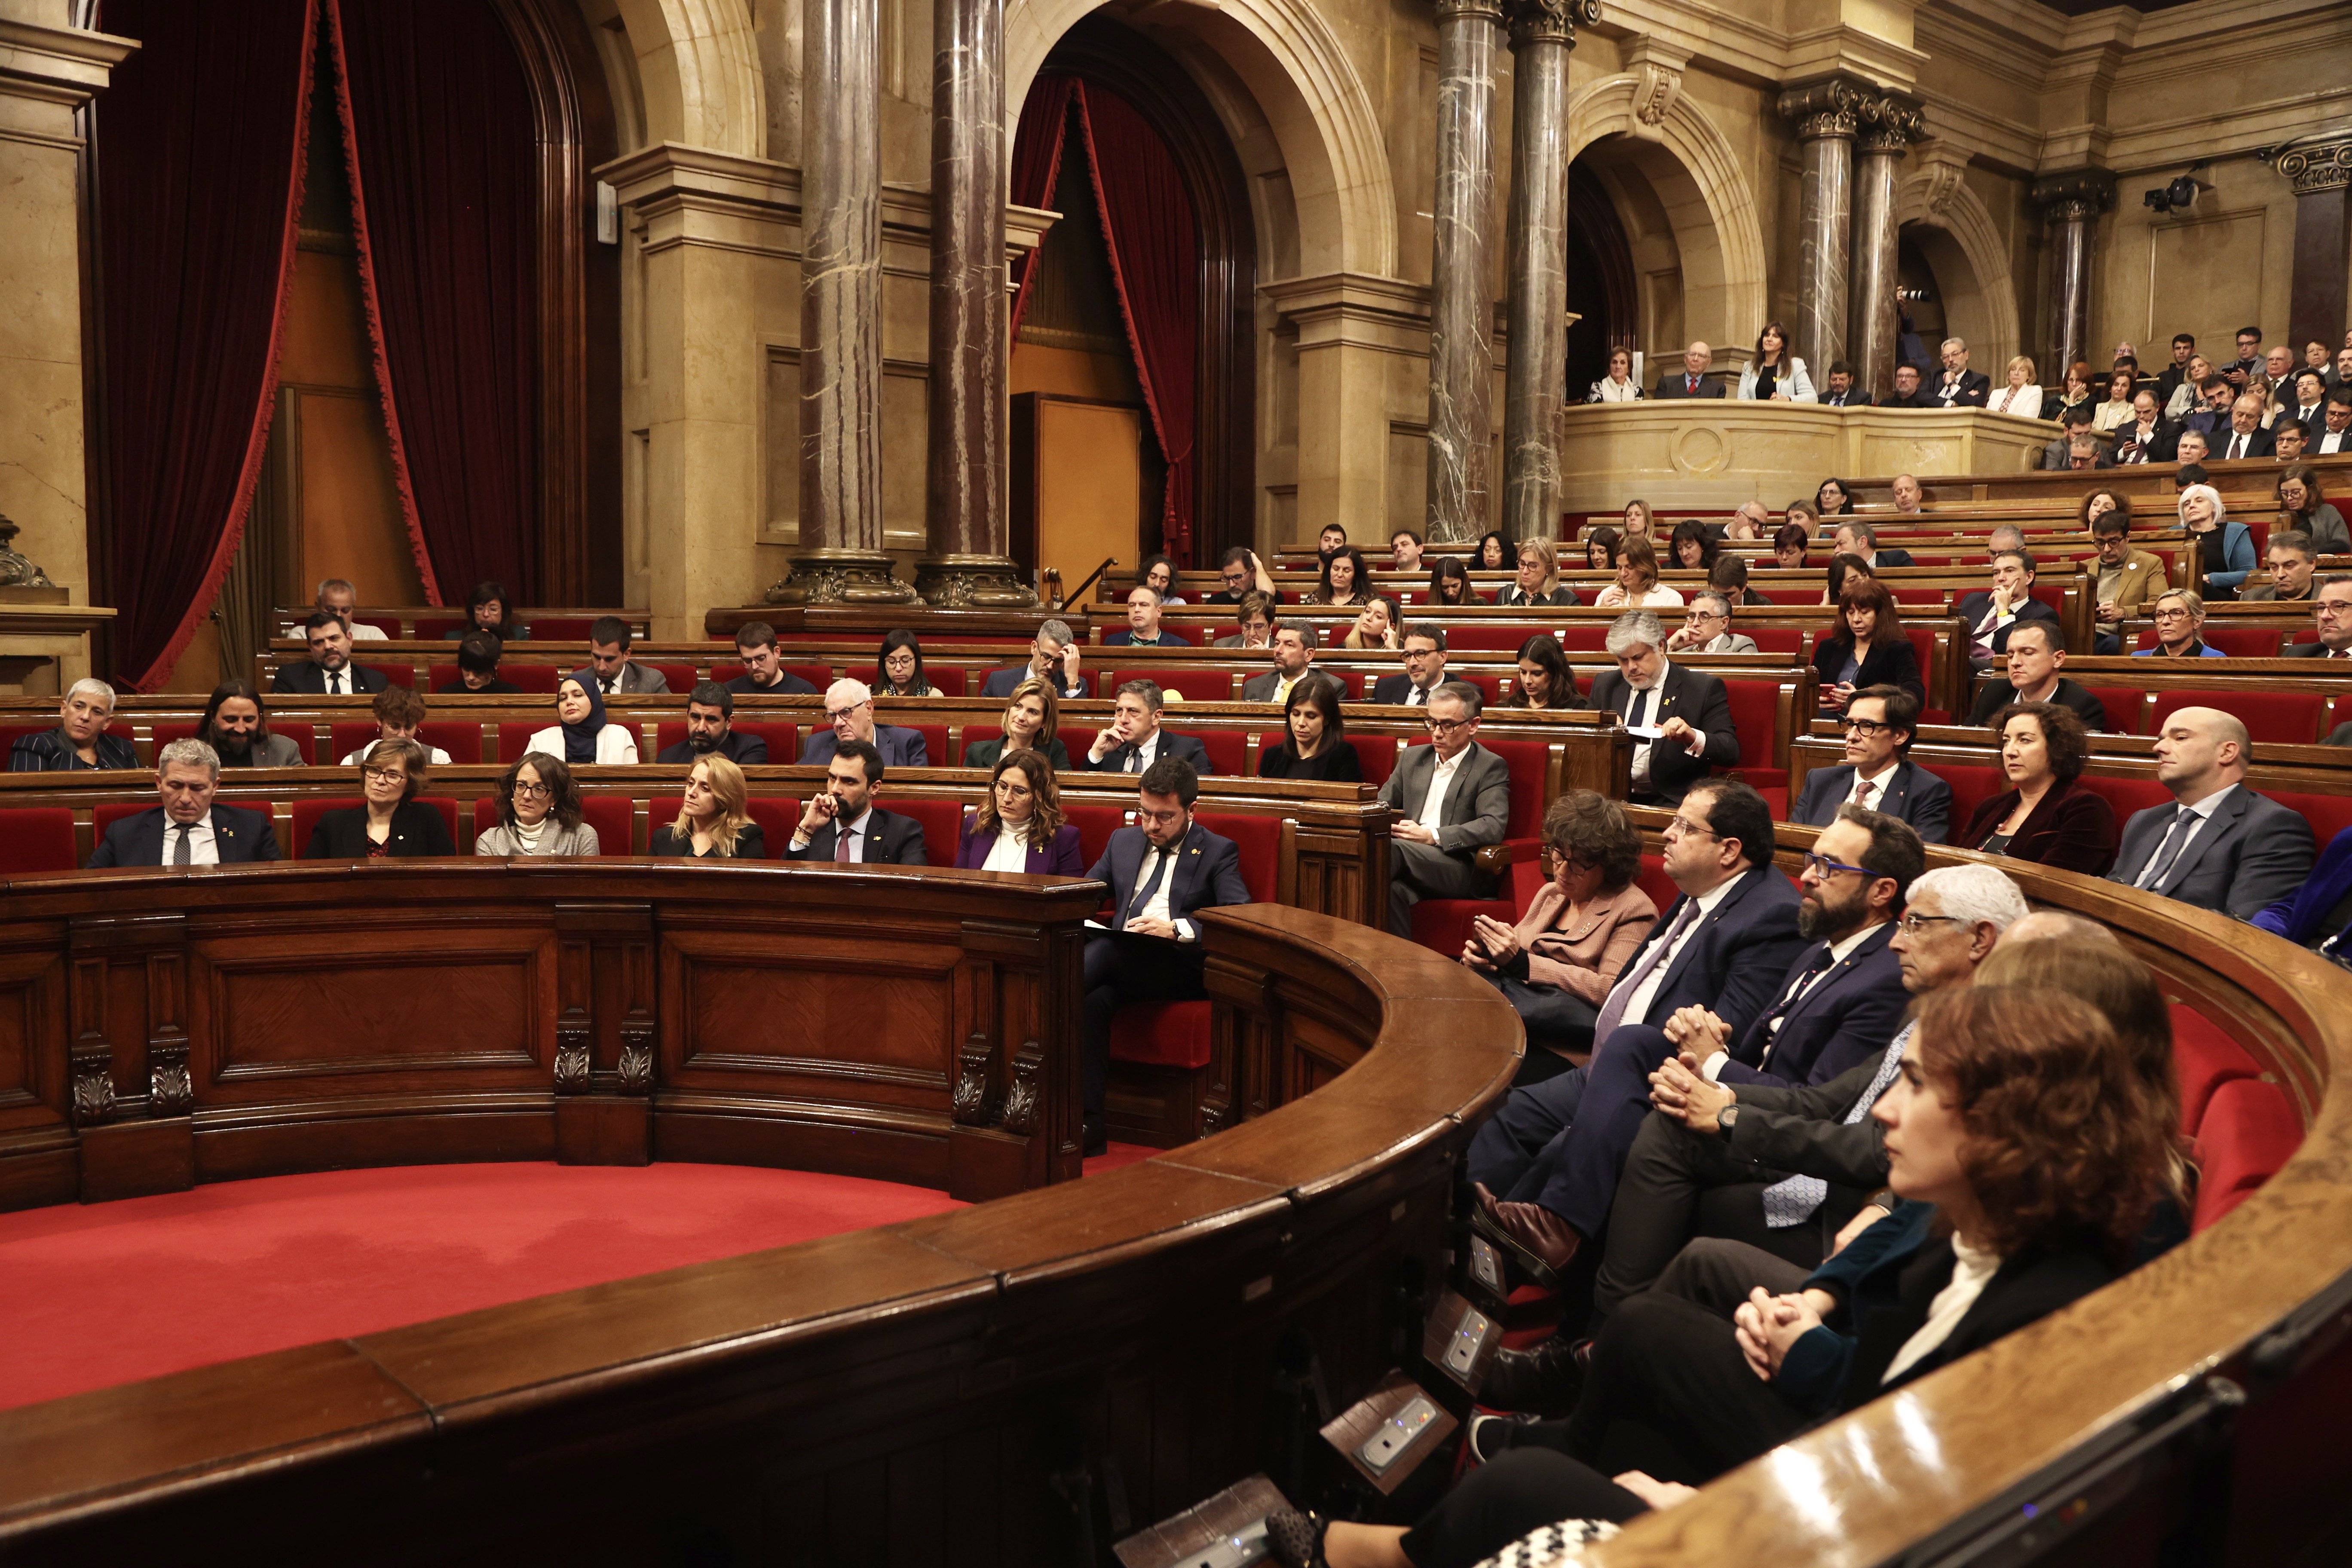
(1061, 857)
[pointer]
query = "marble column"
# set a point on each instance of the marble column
(964, 505)
(1888, 125)
(1461, 307)
(840, 558)
(2322, 171)
(1542, 33)
(2073, 201)
(1825, 115)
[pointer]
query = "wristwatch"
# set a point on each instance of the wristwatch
(1728, 1118)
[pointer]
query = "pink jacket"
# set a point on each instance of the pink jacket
(1584, 954)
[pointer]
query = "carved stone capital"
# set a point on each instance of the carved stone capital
(842, 577)
(1469, 11)
(1829, 107)
(1543, 21)
(2317, 166)
(16, 571)
(972, 583)
(1886, 123)
(2077, 195)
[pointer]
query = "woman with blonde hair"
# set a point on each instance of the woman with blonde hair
(1636, 587)
(1019, 826)
(1539, 579)
(2020, 396)
(713, 821)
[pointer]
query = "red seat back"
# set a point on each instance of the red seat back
(2328, 814)
(1792, 640)
(1754, 713)
(1588, 636)
(1493, 637)
(2249, 1130)
(430, 627)
(107, 812)
(1228, 751)
(394, 674)
(1095, 824)
(2280, 718)
(2126, 706)
(948, 681)
(1376, 754)
(563, 628)
(2129, 795)
(1259, 839)
(2240, 642)
(1490, 687)
(1197, 685)
(1972, 786)
(1913, 595)
(935, 747)
(1652, 879)
(942, 823)
(681, 677)
(1923, 646)
(163, 734)
(36, 838)
(2203, 1059)
(539, 680)
(308, 812)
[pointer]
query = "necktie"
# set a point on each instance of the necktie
(1794, 1201)
(2237, 446)
(334, 683)
(842, 835)
(183, 853)
(1142, 899)
(1690, 385)
(611, 683)
(1863, 790)
(1621, 996)
(1804, 983)
(1135, 759)
(1414, 697)
(2175, 839)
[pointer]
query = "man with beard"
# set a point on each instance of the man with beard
(710, 727)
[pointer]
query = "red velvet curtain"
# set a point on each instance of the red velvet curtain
(1155, 263)
(1037, 164)
(436, 115)
(199, 195)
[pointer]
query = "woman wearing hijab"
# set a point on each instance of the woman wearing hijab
(583, 736)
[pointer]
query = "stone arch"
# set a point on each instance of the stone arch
(1954, 231)
(699, 70)
(1292, 64)
(1699, 177)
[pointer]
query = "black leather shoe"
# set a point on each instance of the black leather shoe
(1545, 1381)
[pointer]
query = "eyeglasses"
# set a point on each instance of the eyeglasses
(533, 791)
(1866, 727)
(372, 774)
(1447, 726)
(1822, 866)
(1916, 925)
(2173, 615)
(837, 714)
(1708, 616)
(1682, 826)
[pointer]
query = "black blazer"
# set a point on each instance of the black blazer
(1514, 597)
(744, 751)
(1170, 745)
(1893, 662)
(751, 844)
(2261, 443)
(238, 835)
(2023, 1291)
(1672, 386)
(1396, 689)
(1895, 558)
(2073, 829)
(984, 753)
(1975, 389)
(1335, 763)
(890, 840)
(1919, 399)
(2000, 694)
(2163, 445)
(1914, 795)
(1975, 606)
(416, 830)
(1698, 699)
(307, 679)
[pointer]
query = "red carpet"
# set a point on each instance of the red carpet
(94, 1296)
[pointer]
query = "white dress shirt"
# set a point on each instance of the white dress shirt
(1644, 714)
(1878, 784)
(1156, 907)
(1637, 1005)
(1010, 852)
(204, 849)
(2332, 441)
(1440, 779)
(1840, 951)
(2234, 449)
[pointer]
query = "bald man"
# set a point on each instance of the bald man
(1690, 380)
(2219, 845)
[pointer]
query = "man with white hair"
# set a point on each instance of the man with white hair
(1958, 386)
(189, 828)
(1680, 719)
(849, 709)
(79, 741)
(2245, 438)
(2219, 845)
(1691, 381)
(337, 597)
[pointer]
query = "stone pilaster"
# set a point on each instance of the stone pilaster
(1461, 311)
(2073, 202)
(1887, 125)
(2321, 169)
(1826, 114)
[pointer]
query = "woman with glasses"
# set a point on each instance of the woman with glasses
(1869, 646)
(394, 823)
(1539, 580)
(2046, 816)
(538, 813)
(2304, 510)
(583, 736)
(2179, 618)
(898, 671)
(1315, 739)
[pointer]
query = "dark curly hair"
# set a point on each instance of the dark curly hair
(2062, 732)
(2064, 1145)
(1594, 830)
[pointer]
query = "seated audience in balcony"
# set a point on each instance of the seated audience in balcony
(1842, 572)
(1255, 614)
(337, 595)
(1690, 379)
(1774, 374)
(1728, 576)
(1681, 716)
(849, 710)
(2146, 438)
(1907, 393)
(1345, 580)
(1292, 649)
(1422, 648)
(1242, 574)
(764, 674)
(2287, 562)
(2018, 396)
(1789, 543)
(478, 669)
(714, 820)
(399, 712)
(1020, 825)
(1449, 583)
(2220, 846)
(583, 735)
(1163, 872)
(1033, 720)
(1618, 386)
(1637, 587)
(2179, 618)
(1991, 614)
(2085, 455)
(1451, 799)
(2341, 373)
(2073, 425)
(2045, 816)
(2126, 576)
(1494, 553)
(1832, 498)
(2304, 510)
(842, 825)
(1855, 537)
(1545, 680)
(329, 672)
(1706, 625)
(2315, 913)
(1639, 522)
(79, 743)
(1840, 391)
(2115, 411)
(2031, 666)
(2334, 433)
(1376, 628)
(1315, 737)
(2183, 370)
(2331, 609)
(1878, 774)
(1405, 549)
(1867, 648)
(710, 730)
(1133, 740)
(1539, 580)
(2183, 389)
(1958, 386)
(2225, 549)
(539, 814)
(1601, 547)
(189, 827)
(1691, 547)
(394, 823)
(1057, 659)
(488, 609)
(1557, 964)
(237, 727)
(2245, 439)
(2304, 404)
(1158, 572)
(898, 670)
(1143, 628)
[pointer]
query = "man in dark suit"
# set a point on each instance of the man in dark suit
(329, 672)
(2334, 433)
(616, 673)
(1907, 393)
(1878, 774)
(1840, 392)
(1860, 539)
(2150, 437)
(1958, 386)
(1292, 646)
(843, 826)
(1991, 614)
(764, 674)
(1143, 628)
(2167, 382)
(1424, 668)
(2035, 658)
(2072, 422)
(1681, 718)
(1451, 797)
(849, 708)
(1134, 740)
(188, 829)
(1163, 873)
(2221, 846)
(2331, 605)
(2245, 439)
(1691, 381)
(1724, 945)
(1053, 658)
(710, 727)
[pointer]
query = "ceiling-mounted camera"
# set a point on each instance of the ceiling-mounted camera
(2175, 197)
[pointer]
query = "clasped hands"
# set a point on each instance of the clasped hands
(1765, 1325)
(1679, 1088)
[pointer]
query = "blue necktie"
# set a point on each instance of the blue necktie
(1142, 899)
(1794, 1201)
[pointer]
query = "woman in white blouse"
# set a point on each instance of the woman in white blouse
(2020, 396)
(2117, 409)
(1618, 386)
(1775, 375)
(1636, 587)
(1020, 826)
(583, 736)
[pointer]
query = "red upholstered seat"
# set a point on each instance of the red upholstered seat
(1583, 637)
(1490, 687)
(942, 823)
(394, 674)
(1792, 640)
(2281, 718)
(1972, 786)
(1652, 879)
(536, 678)
(1162, 1033)
(2204, 1058)
(1197, 685)
(1923, 646)
(2126, 708)
(1228, 751)
(563, 629)
(1259, 841)
(36, 838)
(12, 733)
(1376, 754)
(164, 734)
(1095, 824)
(2328, 814)
(1352, 683)
(107, 812)
(463, 741)
(935, 747)
(777, 817)
(1493, 637)
(2129, 795)
(1908, 595)
(1755, 715)
(679, 676)
(2250, 1128)
(1443, 925)
(948, 680)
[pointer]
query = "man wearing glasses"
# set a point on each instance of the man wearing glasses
(2179, 618)
(1681, 719)
(1878, 775)
(849, 709)
(1451, 797)
(1708, 628)
(2332, 606)
(1243, 573)
(1054, 658)
(1424, 668)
